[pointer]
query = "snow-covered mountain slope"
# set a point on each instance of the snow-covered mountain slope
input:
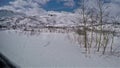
(17, 20)
(8, 13)
(49, 19)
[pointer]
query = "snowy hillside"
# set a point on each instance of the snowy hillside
(16, 20)
(49, 19)
(8, 13)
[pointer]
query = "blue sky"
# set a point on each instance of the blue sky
(4, 2)
(52, 5)
(59, 6)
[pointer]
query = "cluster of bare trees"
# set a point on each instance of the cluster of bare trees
(96, 16)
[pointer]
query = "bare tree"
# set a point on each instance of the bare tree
(101, 14)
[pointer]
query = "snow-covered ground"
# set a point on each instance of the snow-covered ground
(50, 40)
(53, 50)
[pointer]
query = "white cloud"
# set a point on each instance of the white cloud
(40, 1)
(33, 7)
(30, 7)
(68, 3)
(113, 9)
(115, 1)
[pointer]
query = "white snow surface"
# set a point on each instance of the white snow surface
(50, 50)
